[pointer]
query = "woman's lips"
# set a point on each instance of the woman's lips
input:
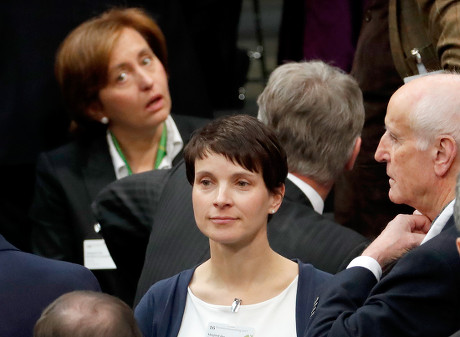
(222, 220)
(155, 104)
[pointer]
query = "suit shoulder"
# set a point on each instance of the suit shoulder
(343, 231)
(440, 250)
(73, 151)
(43, 270)
(321, 225)
(187, 124)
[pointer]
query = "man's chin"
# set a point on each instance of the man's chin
(394, 197)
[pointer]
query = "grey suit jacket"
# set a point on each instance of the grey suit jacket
(176, 244)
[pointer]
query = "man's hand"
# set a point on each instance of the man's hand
(400, 235)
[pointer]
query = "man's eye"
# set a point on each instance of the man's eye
(242, 183)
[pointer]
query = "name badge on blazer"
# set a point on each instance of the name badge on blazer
(96, 255)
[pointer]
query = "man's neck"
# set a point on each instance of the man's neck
(322, 189)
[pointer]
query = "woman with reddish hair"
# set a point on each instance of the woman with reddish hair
(113, 77)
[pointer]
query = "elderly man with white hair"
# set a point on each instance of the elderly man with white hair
(419, 293)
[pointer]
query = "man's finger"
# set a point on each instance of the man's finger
(420, 224)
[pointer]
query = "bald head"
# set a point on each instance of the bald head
(420, 143)
(433, 105)
(87, 314)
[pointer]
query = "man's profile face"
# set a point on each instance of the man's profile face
(408, 167)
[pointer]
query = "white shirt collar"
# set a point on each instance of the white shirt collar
(119, 165)
(174, 144)
(314, 197)
(439, 223)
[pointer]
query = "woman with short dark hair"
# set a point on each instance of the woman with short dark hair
(237, 169)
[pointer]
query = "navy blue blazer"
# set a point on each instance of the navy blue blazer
(419, 296)
(28, 283)
(160, 312)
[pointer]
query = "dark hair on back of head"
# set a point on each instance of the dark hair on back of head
(243, 140)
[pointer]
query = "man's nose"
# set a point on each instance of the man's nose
(381, 154)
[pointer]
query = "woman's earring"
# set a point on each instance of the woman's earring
(104, 120)
(273, 211)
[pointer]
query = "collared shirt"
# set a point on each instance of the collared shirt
(314, 197)
(439, 223)
(436, 227)
(174, 144)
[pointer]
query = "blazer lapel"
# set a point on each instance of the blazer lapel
(97, 169)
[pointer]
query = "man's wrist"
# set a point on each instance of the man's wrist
(369, 263)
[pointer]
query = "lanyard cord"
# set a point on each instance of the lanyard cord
(161, 153)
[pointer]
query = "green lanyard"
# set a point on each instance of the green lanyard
(161, 153)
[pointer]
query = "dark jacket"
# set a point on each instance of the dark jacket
(419, 297)
(68, 180)
(28, 283)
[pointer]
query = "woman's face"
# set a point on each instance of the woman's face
(231, 204)
(136, 96)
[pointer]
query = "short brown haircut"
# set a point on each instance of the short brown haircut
(82, 59)
(243, 140)
(87, 314)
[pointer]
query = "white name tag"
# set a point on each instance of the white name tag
(223, 330)
(96, 255)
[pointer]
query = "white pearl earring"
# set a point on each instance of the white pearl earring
(104, 120)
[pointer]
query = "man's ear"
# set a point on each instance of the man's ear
(95, 111)
(446, 152)
(458, 245)
(356, 148)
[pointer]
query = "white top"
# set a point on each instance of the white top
(436, 228)
(314, 197)
(274, 317)
(174, 144)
